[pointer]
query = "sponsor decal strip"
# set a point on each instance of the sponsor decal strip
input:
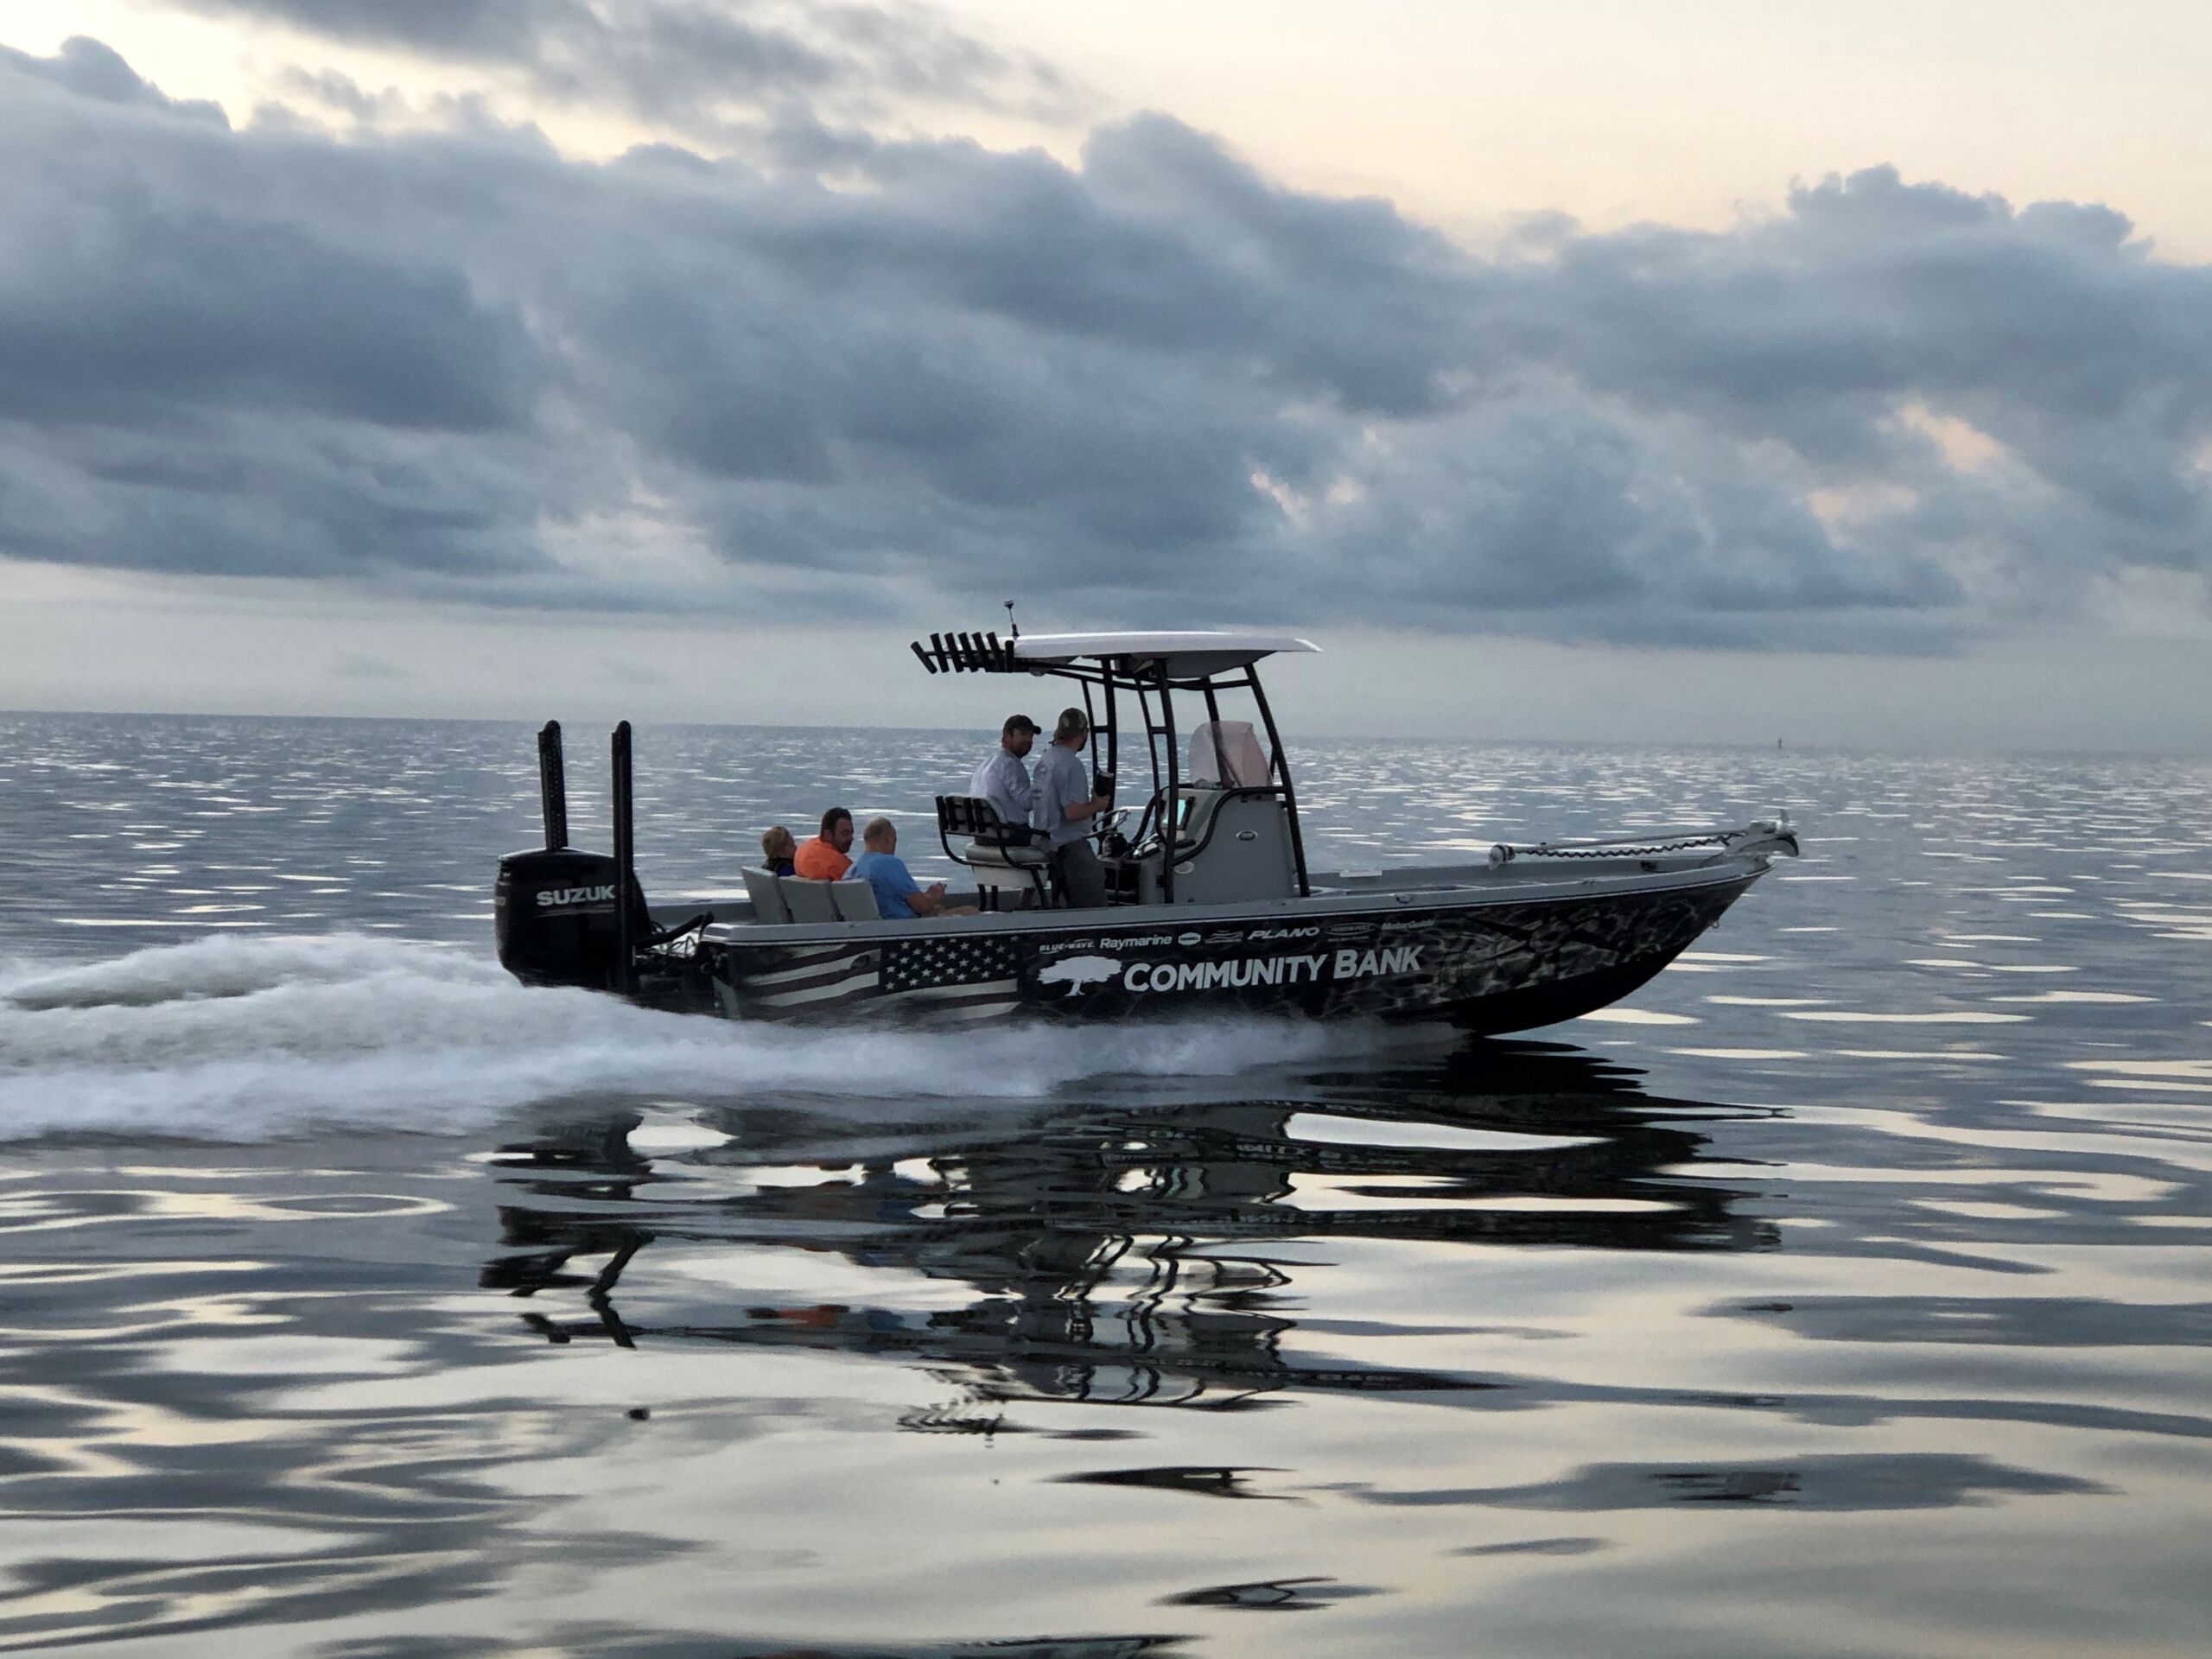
(1241, 972)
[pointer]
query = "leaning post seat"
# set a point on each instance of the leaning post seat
(1000, 855)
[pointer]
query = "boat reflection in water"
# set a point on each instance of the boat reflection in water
(1144, 1256)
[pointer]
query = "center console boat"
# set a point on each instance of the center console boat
(1211, 904)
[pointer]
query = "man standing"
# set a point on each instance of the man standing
(822, 859)
(1063, 809)
(897, 895)
(1003, 781)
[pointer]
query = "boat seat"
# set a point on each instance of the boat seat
(855, 901)
(767, 898)
(810, 901)
(1002, 856)
(977, 822)
(989, 855)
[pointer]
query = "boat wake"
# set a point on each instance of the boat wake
(231, 1039)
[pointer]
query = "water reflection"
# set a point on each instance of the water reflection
(1112, 1254)
(1900, 1350)
(1864, 1480)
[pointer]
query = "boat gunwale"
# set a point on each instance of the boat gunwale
(1498, 891)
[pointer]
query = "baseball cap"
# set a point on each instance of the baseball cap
(1022, 723)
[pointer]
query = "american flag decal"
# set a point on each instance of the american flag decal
(944, 976)
(949, 964)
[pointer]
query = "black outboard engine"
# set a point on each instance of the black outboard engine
(554, 908)
(553, 911)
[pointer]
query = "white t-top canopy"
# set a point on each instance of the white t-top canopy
(1185, 655)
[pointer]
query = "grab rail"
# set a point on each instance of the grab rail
(1778, 830)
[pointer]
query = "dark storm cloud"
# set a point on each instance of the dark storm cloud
(146, 315)
(92, 69)
(2047, 330)
(687, 62)
(848, 375)
(458, 28)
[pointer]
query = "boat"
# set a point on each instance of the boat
(1211, 907)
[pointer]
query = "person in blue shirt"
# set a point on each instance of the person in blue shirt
(897, 895)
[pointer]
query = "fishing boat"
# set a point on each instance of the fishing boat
(1211, 904)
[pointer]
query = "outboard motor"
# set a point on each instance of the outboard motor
(553, 910)
(555, 916)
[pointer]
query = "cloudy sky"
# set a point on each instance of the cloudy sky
(1712, 372)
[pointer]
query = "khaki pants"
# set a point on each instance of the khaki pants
(1078, 875)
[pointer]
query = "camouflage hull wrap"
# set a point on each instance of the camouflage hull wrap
(1490, 964)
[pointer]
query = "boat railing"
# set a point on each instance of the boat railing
(1775, 833)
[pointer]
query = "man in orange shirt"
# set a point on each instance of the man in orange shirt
(824, 858)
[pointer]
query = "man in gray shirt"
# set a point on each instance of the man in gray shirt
(1063, 809)
(1003, 781)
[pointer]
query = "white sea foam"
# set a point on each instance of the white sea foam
(242, 1039)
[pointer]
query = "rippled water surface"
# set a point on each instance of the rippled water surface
(1843, 1293)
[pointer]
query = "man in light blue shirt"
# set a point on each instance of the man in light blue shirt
(897, 895)
(1063, 809)
(1003, 781)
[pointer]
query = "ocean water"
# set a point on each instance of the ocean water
(1843, 1293)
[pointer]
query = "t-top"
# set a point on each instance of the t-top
(889, 874)
(817, 860)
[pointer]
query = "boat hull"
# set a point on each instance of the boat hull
(1491, 965)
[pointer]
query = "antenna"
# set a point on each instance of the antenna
(1010, 622)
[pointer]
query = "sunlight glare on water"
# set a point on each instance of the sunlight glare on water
(1840, 1292)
